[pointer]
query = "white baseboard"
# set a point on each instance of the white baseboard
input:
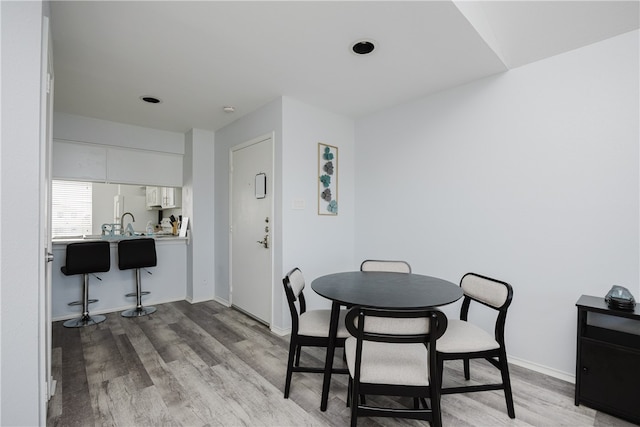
(191, 300)
(222, 301)
(279, 331)
(571, 378)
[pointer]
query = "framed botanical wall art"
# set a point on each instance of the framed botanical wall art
(327, 179)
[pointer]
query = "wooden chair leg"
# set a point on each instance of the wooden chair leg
(354, 404)
(292, 352)
(467, 374)
(506, 382)
(436, 411)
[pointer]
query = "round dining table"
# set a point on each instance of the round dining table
(378, 289)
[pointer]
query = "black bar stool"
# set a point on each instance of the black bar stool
(137, 253)
(86, 258)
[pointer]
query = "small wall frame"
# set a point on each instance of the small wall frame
(327, 179)
(261, 185)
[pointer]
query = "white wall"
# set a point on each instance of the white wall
(263, 121)
(20, 315)
(198, 199)
(530, 177)
(317, 244)
(301, 238)
(187, 203)
(71, 127)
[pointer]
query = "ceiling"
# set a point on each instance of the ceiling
(198, 57)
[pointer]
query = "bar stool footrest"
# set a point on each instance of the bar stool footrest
(133, 294)
(90, 301)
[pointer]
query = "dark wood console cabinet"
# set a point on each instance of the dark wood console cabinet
(608, 358)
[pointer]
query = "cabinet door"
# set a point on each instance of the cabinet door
(610, 377)
(75, 161)
(154, 198)
(171, 197)
(167, 197)
(143, 167)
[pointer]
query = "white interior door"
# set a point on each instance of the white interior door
(252, 228)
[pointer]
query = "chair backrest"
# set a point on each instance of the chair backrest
(137, 253)
(293, 286)
(490, 292)
(385, 265)
(396, 326)
(87, 257)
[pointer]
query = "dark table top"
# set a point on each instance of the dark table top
(386, 290)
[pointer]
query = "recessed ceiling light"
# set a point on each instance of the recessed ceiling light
(228, 109)
(363, 47)
(151, 99)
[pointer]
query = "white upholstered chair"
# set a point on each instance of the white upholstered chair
(385, 265)
(464, 341)
(392, 353)
(308, 328)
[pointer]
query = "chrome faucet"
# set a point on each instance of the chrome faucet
(122, 221)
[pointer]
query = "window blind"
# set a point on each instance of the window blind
(70, 208)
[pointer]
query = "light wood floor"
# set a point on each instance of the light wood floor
(207, 365)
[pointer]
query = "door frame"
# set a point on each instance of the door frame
(47, 382)
(270, 187)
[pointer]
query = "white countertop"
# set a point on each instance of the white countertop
(159, 238)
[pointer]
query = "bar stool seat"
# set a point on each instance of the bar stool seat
(137, 254)
(86, 258)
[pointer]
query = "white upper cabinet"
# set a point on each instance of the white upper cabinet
(171, 197)
(77, 161)
(103, 163)
(164, 197)
(154, 197)
(144, 167)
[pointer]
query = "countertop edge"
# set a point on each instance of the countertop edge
(159, 240)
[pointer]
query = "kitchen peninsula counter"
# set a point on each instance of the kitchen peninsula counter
(167, 281)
